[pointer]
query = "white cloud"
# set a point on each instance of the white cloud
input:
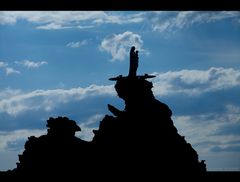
(12, 137)
(92, 123)
(118, 45)
(31, 64)
(6, 93)
(53, 26)
(195, 82)
(161, 21)
(120, 18)
(172, 21)
(202, 130)
(18, 102)
(85, 26)
(77, 44)
(52, 20)
(3, 64)
(48, 17)
(190, 82)
(7, 18)
(10, 71)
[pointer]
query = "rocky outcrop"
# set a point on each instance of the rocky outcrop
(57, 153)
(138, 142)
(142, 136)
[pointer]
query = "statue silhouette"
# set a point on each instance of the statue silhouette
(133, 62)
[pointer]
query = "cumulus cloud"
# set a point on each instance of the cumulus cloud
(53, 20)
(31, 64)
(10, 71)
(195, 82)
(203, 130)
(77, 44)
(118, 45)
(88, 126)
(189, 82)
(18, 102)
(3, 64)
(10, 138)
(172, 21)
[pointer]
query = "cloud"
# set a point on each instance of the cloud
(77, 44)
(17, 102)
(160, 21)
(202, 130)
(189, 82)
(118, 45)
(53, 20)
(6, 93)
(195, 82)
(10, 71)
(88, 126)
(120, 18)
(48, 17)
(3, 64)
(173, 21)
(31, 64)
(226, 149)
(53, 26)
(8, 139)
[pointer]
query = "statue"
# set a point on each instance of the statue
(133, 62)
(133, 68)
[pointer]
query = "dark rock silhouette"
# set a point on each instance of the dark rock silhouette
(57, 153)
(138, 142)
(143, 135)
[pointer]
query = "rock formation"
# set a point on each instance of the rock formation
(138, 142)
(57, 153)
(142, 137)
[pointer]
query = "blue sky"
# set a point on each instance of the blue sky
(59, 63)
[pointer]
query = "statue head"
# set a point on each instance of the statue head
(132, 48)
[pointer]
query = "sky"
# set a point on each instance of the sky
(55, 63)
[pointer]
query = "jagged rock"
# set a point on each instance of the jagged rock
(58, 153)
(143, 135)
(138, 142)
